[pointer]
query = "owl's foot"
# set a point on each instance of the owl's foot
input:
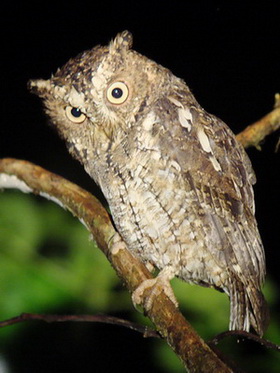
(117, 244)
(157, 285)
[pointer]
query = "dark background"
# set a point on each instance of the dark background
(227, 52)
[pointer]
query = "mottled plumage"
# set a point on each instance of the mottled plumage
(178, 183)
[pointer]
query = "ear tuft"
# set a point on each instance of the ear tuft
(39, 86)
(123, 41)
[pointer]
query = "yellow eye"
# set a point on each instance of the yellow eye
(74, 114)
(117, 93)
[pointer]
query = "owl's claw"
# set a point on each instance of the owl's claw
(117, 244)
(157, 285)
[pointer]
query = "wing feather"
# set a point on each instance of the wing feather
(225, 196)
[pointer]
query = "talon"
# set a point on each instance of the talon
(157, 285)
(117, 244)
(137, 295)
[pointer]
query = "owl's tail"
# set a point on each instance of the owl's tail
(248, 308)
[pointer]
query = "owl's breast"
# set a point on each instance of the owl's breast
(152, 207)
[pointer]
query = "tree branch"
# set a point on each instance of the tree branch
(254, 134)
(244, 335)
(194, 352)
(146, 331)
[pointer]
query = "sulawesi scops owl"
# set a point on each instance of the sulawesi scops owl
(178, 184)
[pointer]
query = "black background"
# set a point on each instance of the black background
(226, 51)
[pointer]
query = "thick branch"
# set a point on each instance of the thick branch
(194, 352)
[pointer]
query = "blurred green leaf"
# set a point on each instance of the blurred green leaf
(48, 259)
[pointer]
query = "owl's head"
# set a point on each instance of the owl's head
(98, 96)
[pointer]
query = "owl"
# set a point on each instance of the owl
(178, 184)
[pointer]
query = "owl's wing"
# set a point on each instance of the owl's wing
(219, 173)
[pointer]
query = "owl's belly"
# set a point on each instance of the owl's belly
(162, 229)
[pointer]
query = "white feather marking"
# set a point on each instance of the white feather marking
(149, 121)
(215, 163)
(175, 102)
(59, 92)
(185, 118)
(151, 231)
(166, 259)
(205, 144)
(204, 140)
(104, 69)
(76, 99)
(156, 155)
(175, 165)
(98, 82)
(237, 268)
(184, 114)
(138, 170)
(192, 235)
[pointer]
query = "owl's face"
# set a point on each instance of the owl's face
(96, 97)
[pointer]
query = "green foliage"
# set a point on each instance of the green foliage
(47, 261)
